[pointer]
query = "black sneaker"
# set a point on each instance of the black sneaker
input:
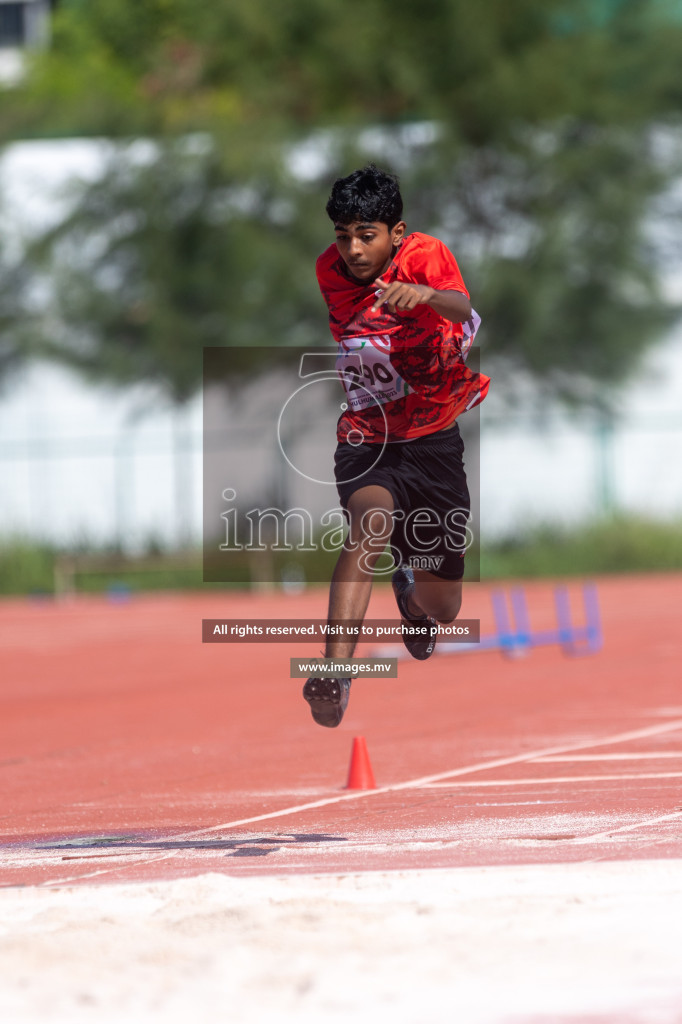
(328, 699)
(422, 646)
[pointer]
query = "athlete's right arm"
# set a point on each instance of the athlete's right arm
(405, 295)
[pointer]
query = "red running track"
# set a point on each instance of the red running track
(131, 751)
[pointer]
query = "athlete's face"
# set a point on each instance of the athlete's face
(367, 248)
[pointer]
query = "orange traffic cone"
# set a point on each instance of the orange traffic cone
(360, 774)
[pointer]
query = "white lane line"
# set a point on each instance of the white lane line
(138, 858)
(553, 778)
(627, 828)
(361, 794)
(500, 762)
(645, 755)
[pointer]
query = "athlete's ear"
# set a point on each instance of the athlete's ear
(397, 232)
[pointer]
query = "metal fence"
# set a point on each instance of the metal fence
(141, 485)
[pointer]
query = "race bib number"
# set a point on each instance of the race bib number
(364, 366)
(469, 328)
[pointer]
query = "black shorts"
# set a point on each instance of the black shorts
(426, 478)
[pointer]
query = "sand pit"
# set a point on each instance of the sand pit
(593, 941)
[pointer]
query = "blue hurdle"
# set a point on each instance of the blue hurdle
(514, 635)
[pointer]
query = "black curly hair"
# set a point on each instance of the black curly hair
(367, 195)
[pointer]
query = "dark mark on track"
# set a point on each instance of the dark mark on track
(254, 846)
(554, 838)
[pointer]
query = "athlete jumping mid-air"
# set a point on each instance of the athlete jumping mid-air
(400, 313)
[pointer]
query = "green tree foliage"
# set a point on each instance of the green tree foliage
(542, 170)
(120, 65)
(560, 235)
(15, 287)
(169, 252)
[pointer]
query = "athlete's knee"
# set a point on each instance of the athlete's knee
(365, 545)
(370, 510)
(370, 526)
(449, 610)
(442, 603)
(370, 519)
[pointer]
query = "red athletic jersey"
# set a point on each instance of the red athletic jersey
(404, 372)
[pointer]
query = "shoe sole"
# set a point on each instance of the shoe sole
(326, 700)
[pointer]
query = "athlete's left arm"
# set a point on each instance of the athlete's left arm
(452, 305)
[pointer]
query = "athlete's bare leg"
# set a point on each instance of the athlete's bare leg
(369, 510)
